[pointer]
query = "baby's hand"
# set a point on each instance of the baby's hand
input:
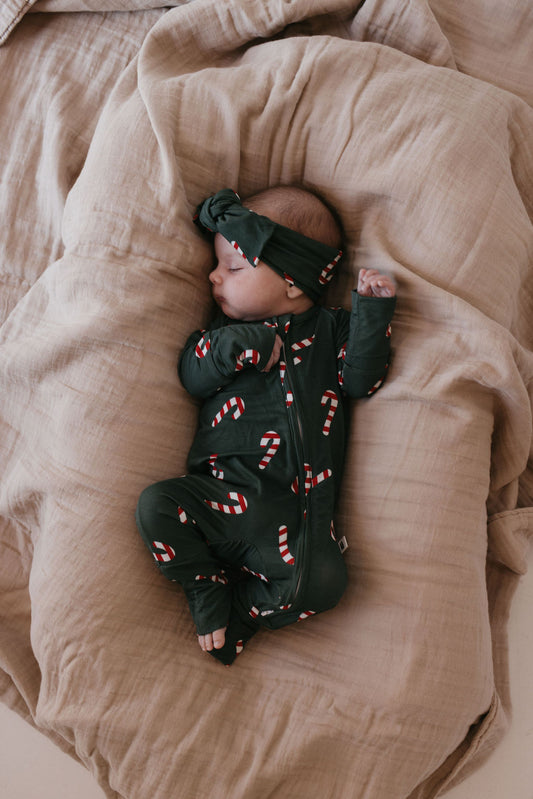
(372, 283)
(274, 357)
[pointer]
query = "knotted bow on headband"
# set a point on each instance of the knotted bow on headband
(301, 261)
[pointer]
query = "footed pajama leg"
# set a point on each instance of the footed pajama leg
(184, 556)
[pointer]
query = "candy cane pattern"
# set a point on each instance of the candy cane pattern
(283, 546)
(237, 403)
(295, 485)
(306, 614)
(182, 516)
(254, 612)
(288, 278)
(274, 439)
(255, 574)
(340, 361)
(167, 555)
(375, 387)
(289, 397)
(310, 481)
(215, 578)
(236, 247)
(327, 273)
(240, 507)
(378, 384)
(330, 397)
(218, 473)
(203, 346)
(239, 646)
(300, 345)
(247, 356)
(320, 477)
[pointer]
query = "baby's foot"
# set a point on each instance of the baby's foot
(214, 640)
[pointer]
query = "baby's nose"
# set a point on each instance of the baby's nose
(213, 276)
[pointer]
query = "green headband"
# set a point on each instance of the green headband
(301, 261)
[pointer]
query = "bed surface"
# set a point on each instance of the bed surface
(414, 120)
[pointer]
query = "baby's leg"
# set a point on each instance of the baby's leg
(183, 555)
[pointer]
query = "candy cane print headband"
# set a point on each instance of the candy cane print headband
(302, 261)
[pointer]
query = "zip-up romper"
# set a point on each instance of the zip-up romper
(248, 532)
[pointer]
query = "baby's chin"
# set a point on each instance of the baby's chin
(234, 314)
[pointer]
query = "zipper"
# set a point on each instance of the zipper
(298, 439)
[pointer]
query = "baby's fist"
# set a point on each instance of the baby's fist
(372, 283)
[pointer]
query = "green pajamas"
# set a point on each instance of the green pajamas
(248, 532)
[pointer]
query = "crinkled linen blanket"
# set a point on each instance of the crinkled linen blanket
(413, 119)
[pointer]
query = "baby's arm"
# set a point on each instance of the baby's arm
(212, 358)
(365, 357)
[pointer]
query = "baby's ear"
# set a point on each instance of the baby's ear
(293, 292)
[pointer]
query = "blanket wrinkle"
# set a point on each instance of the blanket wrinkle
(509, 536)
(409, 26)
(487, 55)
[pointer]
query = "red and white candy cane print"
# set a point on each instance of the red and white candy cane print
(341, 357)
(239, 507)
(327, 273)
(329, 397)
(182, 516)
(247, 356)
(310, 480)
(203, 346)
(166, 555)
(215, 578)
(234, 406)
(320, 477)
(288, 279)
(274, 439)
(378, 384)
(300, 345)
(255, 574)
(235, 246)
(283, 546)
(306, 614)
(215, 471)
(289, 397)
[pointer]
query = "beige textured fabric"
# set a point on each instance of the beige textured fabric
(11, 11)
(491, 40)
(402, 689)
(54, 6)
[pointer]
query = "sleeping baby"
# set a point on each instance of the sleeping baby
(249, 532)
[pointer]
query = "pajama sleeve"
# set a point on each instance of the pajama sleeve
(212, 358)
(367, 352)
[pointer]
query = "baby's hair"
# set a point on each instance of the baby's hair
(299, 209)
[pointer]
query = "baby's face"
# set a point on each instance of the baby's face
(243, 291)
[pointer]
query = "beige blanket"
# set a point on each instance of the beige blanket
(402, 689)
